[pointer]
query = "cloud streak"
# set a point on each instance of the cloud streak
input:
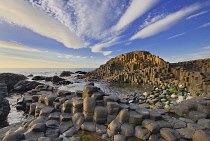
(24, 15)
(166, 23)
(136, 9)
(196, 15)
(204, 25)
(98, 47)
(9, 45)
(177, 35)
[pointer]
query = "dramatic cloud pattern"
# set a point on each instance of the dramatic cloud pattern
(165, 23)
(91, 31)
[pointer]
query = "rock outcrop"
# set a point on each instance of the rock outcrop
(143, 67)
(66, 73)
(4, 104)
(11, 79)
(56, 115)
(24, 86)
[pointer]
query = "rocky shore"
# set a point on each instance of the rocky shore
(57, 115)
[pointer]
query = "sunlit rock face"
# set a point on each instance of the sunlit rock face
(143, 67)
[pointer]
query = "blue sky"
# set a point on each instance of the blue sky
(87, 33)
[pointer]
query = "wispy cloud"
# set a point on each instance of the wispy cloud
(66, 56)
(204, 25)
(23, 14)
(10, 45)
(87, 18)
(136, 9)
(98, 47)
(165, 23)
(150, 20)
(177, 35)
(196, 15)
(207, 47)
(190, 56)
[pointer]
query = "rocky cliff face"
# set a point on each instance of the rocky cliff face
(143, 67)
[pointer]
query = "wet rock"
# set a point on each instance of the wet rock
(66, 73)
(11, 79)
(24, 85)
(56, 79)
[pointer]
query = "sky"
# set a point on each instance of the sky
(87, 33)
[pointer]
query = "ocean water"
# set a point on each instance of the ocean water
(42, 71)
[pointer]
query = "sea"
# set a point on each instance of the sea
(42, 71)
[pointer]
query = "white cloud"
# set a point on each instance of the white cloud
(165, 23)
(207, 47)
(196, 15)
(176, 35)
(4, 44)
(190, 56)
(204, 25)
(24, 15)
(98, 47)
(67, 56)
(136, 9)
(128, 43)
(87, 18)
(150, 20)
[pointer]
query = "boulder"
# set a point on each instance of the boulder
(65, 125)
(170, 134)
(127, 130)
(142, 133)
(66, 73)
(38, 78)
(113, 108)
(89, 105)
(113, 128)
(204, 122)
(56, 79)
(88, 126)
(135, 118)
(100, 114)
(4, 110)
(119, 138)
(16, 136)
(201, 135)
(11, 79)
(100, 129)
(123, 116)
(24, 85)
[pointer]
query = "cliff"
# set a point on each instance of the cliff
(142, 67)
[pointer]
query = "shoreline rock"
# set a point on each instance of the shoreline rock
(58, 115)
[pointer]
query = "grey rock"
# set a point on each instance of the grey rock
(201, 135)
(52, 124)
(119, 138)
(186, 133)
(170, 134)
(127, 129)
(101, 129)
(123, 116)
(71, 132)
(65, 125)
(88, 126)
(142, 133)
(204, 122)
(39, 127)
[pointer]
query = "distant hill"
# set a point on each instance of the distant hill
(143, 67)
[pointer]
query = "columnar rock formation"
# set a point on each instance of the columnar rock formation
(58, 115)
(143, 67)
